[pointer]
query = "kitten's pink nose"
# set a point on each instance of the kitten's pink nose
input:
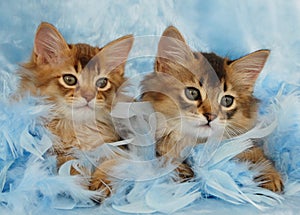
(88, 95)
(210, 116)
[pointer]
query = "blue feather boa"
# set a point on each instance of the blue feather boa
(29, 180)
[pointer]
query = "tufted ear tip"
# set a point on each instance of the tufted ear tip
(173, 32)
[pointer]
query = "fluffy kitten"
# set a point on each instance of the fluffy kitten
(81, 81)
(199, 93)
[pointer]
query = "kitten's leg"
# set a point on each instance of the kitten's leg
(99, 179)
(167, 149)
(270, 177)
(184, 171)
(61, 159)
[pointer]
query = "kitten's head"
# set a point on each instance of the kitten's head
(200, 92)
(80, 80)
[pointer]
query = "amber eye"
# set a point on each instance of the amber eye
(192, 93)
(227, 101)
(101, 82)
(70, 80)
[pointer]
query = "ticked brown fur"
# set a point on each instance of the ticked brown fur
(198, 93)
(81, 82)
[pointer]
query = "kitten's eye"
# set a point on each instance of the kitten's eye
(101, 82)
(227, 101)
(192, 93)
(70, 80)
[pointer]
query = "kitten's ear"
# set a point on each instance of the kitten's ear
(246, 69)
(49, 45)
(114, 55)
(172, 49)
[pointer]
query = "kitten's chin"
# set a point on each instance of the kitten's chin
(195, 129)
(82, 114)
(201, 132)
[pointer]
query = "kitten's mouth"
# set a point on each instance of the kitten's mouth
(203, 125)
(206, 126)
(84, 107)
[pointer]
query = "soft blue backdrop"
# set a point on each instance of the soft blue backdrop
(229, 28)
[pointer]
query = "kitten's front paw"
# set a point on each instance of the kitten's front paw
(100, 179)
(99, 182)
(185, 172)
(271, 181)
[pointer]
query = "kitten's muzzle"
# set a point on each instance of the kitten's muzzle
(210, 117)
(88, 96)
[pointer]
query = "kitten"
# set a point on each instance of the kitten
(81, 81)
(200, 92)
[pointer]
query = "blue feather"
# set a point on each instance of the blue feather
(3, 175)
(169, 198)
